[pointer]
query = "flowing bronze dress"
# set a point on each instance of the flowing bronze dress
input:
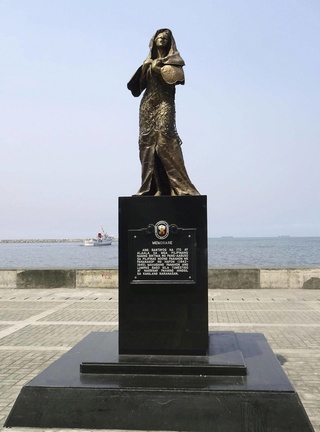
(163, 169)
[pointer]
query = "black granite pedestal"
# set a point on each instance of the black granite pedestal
(199, 394)
(163, 275)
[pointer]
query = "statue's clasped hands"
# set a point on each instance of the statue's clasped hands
(156, 65)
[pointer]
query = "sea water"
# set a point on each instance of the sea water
(222, 252)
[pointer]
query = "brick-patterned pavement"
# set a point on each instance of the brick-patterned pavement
(38, 326)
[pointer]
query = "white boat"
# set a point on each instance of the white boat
(102, 239)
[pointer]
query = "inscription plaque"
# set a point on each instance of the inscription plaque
(163, 275)
(162, 253)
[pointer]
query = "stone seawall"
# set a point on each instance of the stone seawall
(218, 278)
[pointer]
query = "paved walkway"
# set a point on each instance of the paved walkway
(38, 326)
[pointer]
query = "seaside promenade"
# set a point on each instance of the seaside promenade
(37, 326)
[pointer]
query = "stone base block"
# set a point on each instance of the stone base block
(262, 400)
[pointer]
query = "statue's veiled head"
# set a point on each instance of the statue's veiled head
(162, 40)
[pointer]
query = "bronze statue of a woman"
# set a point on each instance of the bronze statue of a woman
(163, 169)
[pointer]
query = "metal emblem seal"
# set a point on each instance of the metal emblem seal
(161, 230)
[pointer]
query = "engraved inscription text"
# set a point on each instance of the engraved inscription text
(162, 261)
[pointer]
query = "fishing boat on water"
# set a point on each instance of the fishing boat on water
(102, 239)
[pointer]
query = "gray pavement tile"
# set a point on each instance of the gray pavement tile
(28, 304)
(80, 315)
(95, 304)
(49, 322)
(52, 335)
(245, 305)
(17, 369)
(279, 317)
(18, 315)
(283, 295)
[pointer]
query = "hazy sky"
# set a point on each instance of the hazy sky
(248, 116)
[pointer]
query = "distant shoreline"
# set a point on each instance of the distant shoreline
(43, 241)
(76, 240)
